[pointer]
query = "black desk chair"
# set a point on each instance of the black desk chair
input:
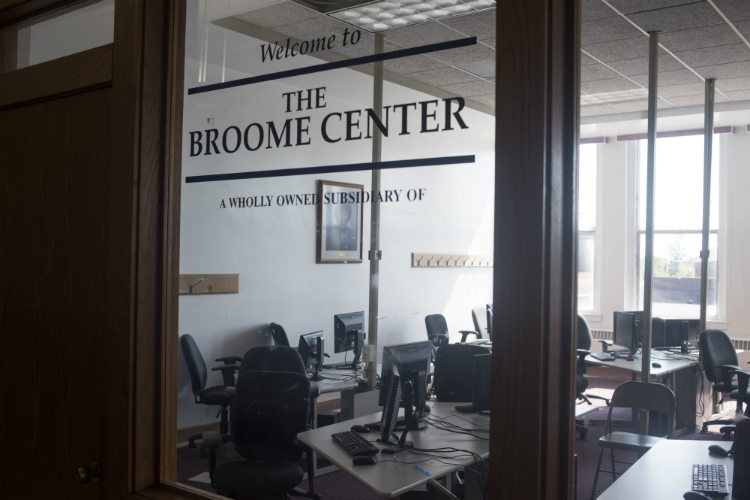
(271, 405)
(454, 369)
(585, 339)
(581, 384)
(437, 330)
(198, 377)
(279, 335)
(640, 395)
(719, 359)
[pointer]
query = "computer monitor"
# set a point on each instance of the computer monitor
(626, 332)
(311, 350)
(481, 382)
(681, 333)
(349, 335)
(489, 321)
(657, 330)
(403, 383)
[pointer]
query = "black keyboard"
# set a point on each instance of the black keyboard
(710, 480)
(355, 444)
(602, 356)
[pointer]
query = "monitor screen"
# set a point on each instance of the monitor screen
(676, 332)
(344, 330)
(625, 332)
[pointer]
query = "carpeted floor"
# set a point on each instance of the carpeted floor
(339, 486)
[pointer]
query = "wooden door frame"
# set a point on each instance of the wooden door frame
(534, 274)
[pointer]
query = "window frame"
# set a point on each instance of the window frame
(594, 314)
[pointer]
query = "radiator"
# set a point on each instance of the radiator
(604, 335)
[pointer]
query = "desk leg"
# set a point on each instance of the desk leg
(315, 426)
(347, 404)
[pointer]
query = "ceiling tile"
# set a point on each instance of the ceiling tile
(739, 95)
(692, 100)
(639, 65)
(483, 69)
(462, 55)
(469, 89)
(611, 85)
(669, 91)
(488, 100)
(312, 27)
(594, 72)
(722, 71)
(489, 41)
(607, 30)
(598, 109)
(586, 60)
(697, 38)
(620, 49)
(639, 105)
(277, 14)
(733, 84)
(712, 56)
(421, 34)
(595, 9)
(630, 6)
(412, 64)
(694, 15)
(744, 28)
(735, 10)
(480, 25)
(667, 78)
(444, 76)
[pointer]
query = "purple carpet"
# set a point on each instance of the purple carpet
(339, 486)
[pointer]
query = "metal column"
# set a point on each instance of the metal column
(653, 84)
(377, 143)
(708, 143)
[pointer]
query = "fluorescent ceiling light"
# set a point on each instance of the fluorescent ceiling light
(612, 97)
(390, 14)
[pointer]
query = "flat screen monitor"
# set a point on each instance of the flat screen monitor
(311, 349)
(481, 381)
(405, 369)
(489, 321)
(657, 330)
(345, 327)
(681, 332)
(626, 332)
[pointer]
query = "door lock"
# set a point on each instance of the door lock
(91, 472)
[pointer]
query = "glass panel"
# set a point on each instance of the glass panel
(82, 27)
(677, 275)
(679, 184)
(586, 253)
(587, 156)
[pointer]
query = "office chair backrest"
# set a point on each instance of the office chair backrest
(454, 369)
(479, 317)
(279, 335)
(716, 349)
(584, 334)
(645, 396)
(271, 405)
(490, 319)
(437, 329)
(195, 363)
(658, 332)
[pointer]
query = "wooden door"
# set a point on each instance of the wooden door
(53, 167)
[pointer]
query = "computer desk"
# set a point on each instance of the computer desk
(388, 479)
(666, 471)
(670, 364)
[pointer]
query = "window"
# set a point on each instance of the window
(587, 165)
(678, 220)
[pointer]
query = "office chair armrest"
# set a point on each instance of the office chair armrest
(230, 391)
(466, 333)
(212, 440)
(227, 373)
(314, 391)
(743, 379)
(580, 365)
(605, 344)
(726, 376)
(229, 360)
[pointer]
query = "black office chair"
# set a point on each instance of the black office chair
(719, 359)
(581, 384)
(454, 369)
(279, 335)
(585, 339)
(437, 330)
(213, 395)
(271, 405)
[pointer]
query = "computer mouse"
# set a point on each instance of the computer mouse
(655, 365)
(694, 495)
(718, 450)
(363, 460)
(361, 429)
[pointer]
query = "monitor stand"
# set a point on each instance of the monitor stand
(354, 365)
(409, 417)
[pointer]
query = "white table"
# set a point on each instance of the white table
(583, 409)
(666, 471)
(389, 479)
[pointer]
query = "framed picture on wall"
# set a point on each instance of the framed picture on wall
(339, 226)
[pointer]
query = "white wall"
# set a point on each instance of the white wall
(273, 249)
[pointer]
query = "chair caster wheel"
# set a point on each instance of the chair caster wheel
(202, 451)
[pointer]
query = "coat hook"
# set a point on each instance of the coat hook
(196, 284)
